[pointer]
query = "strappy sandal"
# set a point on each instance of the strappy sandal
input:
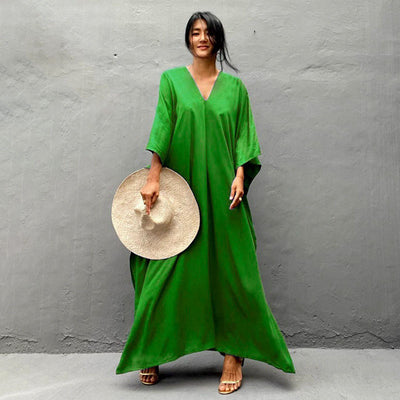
(233, 390)
(150, 373)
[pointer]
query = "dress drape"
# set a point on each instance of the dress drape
(210, 296)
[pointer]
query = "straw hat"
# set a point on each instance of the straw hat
(172, 224)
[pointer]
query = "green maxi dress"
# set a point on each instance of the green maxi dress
(210, 296)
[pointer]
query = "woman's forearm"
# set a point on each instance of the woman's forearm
(155, 169)
(240, 172)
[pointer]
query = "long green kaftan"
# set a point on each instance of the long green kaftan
(210, 296)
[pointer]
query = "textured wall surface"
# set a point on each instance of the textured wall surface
(79, 86)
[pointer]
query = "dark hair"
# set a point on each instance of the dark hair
(215, 32)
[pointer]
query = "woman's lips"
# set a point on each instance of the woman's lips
(203, 47)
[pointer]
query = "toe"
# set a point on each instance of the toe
(147, 376)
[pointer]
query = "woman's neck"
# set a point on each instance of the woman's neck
(203, 68)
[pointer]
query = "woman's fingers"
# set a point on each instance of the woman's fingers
(236, 200)
(233, 190)
(154, 198)
(148, 203)
(150, 192)
(149, 200)
(232, 195)
(237, 196)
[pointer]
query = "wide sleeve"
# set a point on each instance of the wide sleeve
(247, 147)
(163, 123)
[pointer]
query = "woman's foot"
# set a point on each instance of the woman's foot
(231, 371)
(149, 376)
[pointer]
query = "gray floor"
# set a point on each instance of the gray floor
(320, 374)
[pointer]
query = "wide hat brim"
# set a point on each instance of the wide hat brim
(163, 243)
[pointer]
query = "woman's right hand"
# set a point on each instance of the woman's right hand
(150, 192)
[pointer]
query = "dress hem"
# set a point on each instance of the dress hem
(165, 360)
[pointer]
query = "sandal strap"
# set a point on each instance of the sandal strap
(231, 381)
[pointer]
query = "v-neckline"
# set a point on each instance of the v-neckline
(212, 88)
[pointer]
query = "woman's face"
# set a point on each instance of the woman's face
(200, 41)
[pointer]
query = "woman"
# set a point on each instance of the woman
(210, 296)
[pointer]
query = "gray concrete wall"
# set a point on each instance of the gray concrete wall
(79, 85)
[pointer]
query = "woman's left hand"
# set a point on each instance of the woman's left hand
(237, 192)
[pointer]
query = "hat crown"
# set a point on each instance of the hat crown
(160, 216)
